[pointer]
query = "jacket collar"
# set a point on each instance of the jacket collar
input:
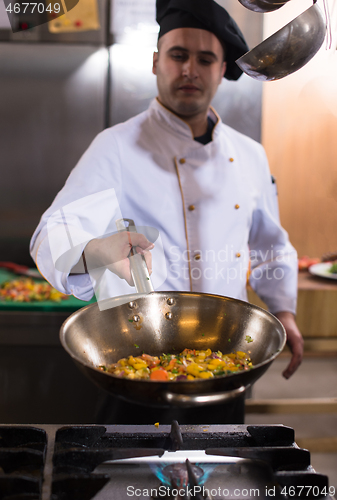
(176, 125)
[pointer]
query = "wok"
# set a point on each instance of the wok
(169, 322)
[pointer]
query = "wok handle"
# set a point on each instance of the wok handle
(139, 270)
(140, 273)
(186, 400)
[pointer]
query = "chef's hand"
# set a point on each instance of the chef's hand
(112, 253)
(294, 341)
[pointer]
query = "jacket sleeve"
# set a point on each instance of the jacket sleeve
(86, 208)
(274, 265)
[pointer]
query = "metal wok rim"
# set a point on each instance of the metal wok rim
(171, 383)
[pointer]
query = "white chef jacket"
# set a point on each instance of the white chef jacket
(214, 207)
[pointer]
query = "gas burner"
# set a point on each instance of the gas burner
(176, 475)
(183, 480)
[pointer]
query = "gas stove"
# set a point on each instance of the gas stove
(118, 462)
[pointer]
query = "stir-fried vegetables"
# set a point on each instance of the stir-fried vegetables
(188, 365)
(27, 290)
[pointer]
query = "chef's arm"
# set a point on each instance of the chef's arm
(294, 341)
(112, 253)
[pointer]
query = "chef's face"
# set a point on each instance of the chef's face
(189, 67)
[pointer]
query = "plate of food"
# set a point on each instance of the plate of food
(325, 270)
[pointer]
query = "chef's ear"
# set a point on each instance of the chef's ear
(155, 60)
(223, 70)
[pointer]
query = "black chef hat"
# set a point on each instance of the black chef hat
(207, 15)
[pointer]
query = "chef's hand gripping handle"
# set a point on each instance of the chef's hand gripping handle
(139, 270)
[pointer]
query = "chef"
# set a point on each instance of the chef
(200, 193)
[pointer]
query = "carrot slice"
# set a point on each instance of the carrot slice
(159, 375)
(171, 364)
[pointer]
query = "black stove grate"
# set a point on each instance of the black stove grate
(58, 463)
(22, 458)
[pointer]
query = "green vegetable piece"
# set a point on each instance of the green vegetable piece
(248, 339)
(333, 268)
(136, 345)
(131, 320)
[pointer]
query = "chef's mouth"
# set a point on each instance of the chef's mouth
(189, 89)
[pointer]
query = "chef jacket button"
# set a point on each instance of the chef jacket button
(231, 159)
(191, 208)
(197, 256)
(182, 161)
(238, 254)
(237, 206)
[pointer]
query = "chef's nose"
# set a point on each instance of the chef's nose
(190, 69)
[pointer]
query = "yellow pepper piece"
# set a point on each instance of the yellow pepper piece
(216, 362)
(139, 366)
(190, 377)
(136, 362)
(206, 375)
(193, 369)
(199, 359)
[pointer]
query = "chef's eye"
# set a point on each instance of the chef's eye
(179, 56)
(205, 62)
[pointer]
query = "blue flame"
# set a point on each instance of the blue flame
(158, 472)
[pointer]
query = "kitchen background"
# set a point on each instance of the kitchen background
(59, 89)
